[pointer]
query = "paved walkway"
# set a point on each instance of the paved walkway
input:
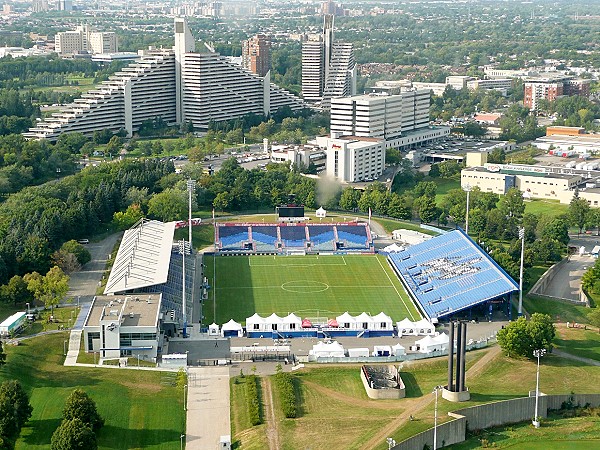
(207, 407)
(588, 361)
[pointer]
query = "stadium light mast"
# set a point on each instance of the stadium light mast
(467, 189)
(191, 187)
(538, 354)
(183, 249)
(435, 391)
(522, 237)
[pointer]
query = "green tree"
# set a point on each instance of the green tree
(521, 337)
(50, 289)
(15, 409)
(80, 406)
(594, 317)
(578, 212)
(171, 204)
(114, 146)
(512, 204)
(124, 220)
(427, 209)
(2, 355)
(81, 253)
(73, 434)
(16, 290)
(349, 198)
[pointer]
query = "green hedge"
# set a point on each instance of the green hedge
(284, 383)
(252, 400)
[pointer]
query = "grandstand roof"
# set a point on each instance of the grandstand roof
(143, 257)
(450, 273)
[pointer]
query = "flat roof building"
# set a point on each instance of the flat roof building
(126, 325)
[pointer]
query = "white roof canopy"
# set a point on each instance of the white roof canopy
(143, 257)
(232, 325)
(345, 318)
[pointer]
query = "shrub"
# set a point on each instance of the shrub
(252, 400)
(284, 383)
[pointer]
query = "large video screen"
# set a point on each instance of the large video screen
(291, 211)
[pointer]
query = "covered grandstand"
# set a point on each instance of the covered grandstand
(148, 262)
(450, 274)
(286, 238)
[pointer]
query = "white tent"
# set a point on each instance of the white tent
(232, 328)
(423, 327)
(329, 349)
(398, 350)
(382, 322)
(291, 322)
(273, 322)
(382, 350)
(256, 323)
(320, 213)
(213, 329)
(405, 327)
(346, 321)
(432, 344)
(393, 248)
(364, 321)
(358, 352)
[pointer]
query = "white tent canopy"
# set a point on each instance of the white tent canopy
(346, 320)
(364, 321)
(232, 327)
(432, 344)
(382, 350)
(291, 322)
(393, 248)
(398, 350)
(213, 329)
(382, 322)
(321, 212)
(423, 327)
(327, 349)
(256, 323)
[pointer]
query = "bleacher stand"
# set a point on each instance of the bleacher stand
(265, 238)
(293, 236)
(233, 237)
(353, 236)
(322, 237)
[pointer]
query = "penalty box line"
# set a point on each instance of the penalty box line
(296, 264)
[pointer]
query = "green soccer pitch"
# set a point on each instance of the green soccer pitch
(309, 286)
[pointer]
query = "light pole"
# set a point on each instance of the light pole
(138, 357)
(183, 249)
(65, 347)
(184, 397)
(191, 187)
(435, 391)
(467, 189)
(522, 237)
(538, 354)
(181, 441)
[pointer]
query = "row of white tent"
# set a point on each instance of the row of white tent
(429, 344)
(407, 327)
(292, 322)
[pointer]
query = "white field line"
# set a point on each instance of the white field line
(394, 286)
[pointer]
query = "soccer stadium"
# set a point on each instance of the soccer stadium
(319, 272)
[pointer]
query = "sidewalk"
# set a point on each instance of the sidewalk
(207, 407)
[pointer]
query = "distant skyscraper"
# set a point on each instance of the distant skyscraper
(256, 55)
(331, 8)
(328, 67)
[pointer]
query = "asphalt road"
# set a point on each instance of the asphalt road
(566, 283)
(83, 284)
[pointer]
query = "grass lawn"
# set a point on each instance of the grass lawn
(559, 311)
(310, 286)
(390, 225)
(245, 435)
(443, 186)
(203, 235)
(141, 409)
(545, 207)
(555, 433)
(579, 342)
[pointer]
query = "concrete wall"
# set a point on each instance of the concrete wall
(540, 287)
(448, 433)
(493, 414)
(384, 393)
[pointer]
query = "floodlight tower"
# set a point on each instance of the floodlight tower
(183, 250)
(522, 237)
(467, 189)
(538, 354)
(191, 187)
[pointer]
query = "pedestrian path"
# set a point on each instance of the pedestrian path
(74, 345)
(207, 407)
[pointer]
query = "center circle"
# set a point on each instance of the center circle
(305, 286)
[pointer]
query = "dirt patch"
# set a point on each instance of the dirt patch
(270, 419)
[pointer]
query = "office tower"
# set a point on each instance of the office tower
(328, 67)
(256, 55)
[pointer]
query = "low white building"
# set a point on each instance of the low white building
(410, 237)
(351, 159)
(119, 325)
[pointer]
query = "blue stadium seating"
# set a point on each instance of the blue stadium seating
(233, 237)
(449, 273)
(353, 236)
(293, 236)
(322, 237)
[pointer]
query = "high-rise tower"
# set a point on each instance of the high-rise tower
(328, 67)
(256, 55)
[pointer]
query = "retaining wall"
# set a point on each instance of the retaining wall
(491, 415)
